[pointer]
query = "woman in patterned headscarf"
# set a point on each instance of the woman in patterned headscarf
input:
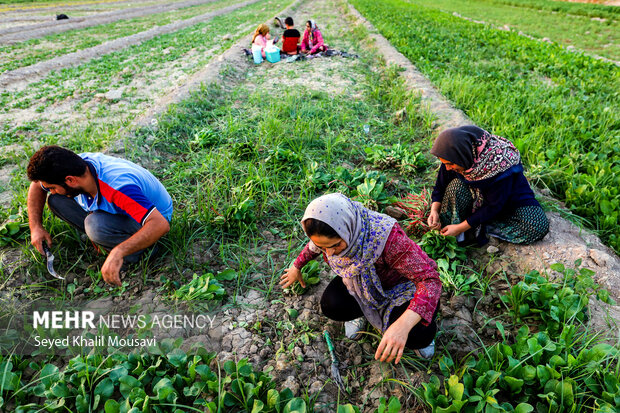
(382, 275)
(481, 190)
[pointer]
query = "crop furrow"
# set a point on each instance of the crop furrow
(34, 72)
(37, 50)
(12, 35)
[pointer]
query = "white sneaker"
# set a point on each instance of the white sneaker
(353, 328)
(426, 352)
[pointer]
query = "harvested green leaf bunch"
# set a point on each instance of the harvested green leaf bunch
(201, 287)
(438, 246)
(311, 276)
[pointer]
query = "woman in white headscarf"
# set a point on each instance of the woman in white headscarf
(312, 41)
(383, 276)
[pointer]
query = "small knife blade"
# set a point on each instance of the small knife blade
(50, 261)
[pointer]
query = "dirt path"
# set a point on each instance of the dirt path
(17, 34)
(19, 78)
(566, 243)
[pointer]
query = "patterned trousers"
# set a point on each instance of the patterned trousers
(525, 225)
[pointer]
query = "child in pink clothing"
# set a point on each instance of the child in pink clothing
(312, 41)
(260, 37)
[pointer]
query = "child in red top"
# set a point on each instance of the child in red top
(290, 38)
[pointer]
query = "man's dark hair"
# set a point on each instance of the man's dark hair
(289, 21)
(316, 227)
(53, 164)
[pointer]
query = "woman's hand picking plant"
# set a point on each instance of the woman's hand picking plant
(291, 275)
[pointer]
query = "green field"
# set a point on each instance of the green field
(37, 50)
(560, 108)
(597, 33)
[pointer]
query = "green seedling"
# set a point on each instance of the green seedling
(203, 287)
(310, 274)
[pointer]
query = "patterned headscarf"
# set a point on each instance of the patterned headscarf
(482, 154)
(366, 233)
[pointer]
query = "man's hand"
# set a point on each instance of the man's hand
(155, 227)
(112, 267)
(291, 275)
(37, 236)
(395, 337)
(36, 202)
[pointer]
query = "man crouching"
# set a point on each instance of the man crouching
(120, 206)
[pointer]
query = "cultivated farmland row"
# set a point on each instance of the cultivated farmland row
(561, 109)
(20, 33)
(97, 97)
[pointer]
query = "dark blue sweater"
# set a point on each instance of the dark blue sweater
(501, 194)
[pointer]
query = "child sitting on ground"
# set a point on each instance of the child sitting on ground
(261, 37)
(290, 38)
(312, 41)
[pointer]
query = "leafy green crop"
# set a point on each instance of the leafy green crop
(239, 216)
(164, 379)
(438, 247)
(397, 157)
(551, 305)
(561, 109)
(367, 187)
(13, 230)
(203, 287)
(453, 278)
(311, 277)
(537, 372)
(590, 10)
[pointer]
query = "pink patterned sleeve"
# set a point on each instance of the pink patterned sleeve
(318, 38)
(404, 256)
(305, 257)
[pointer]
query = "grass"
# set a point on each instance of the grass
(37, 50)
(236, 166)
(574, 8)
(583, 32)
(543, 92)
